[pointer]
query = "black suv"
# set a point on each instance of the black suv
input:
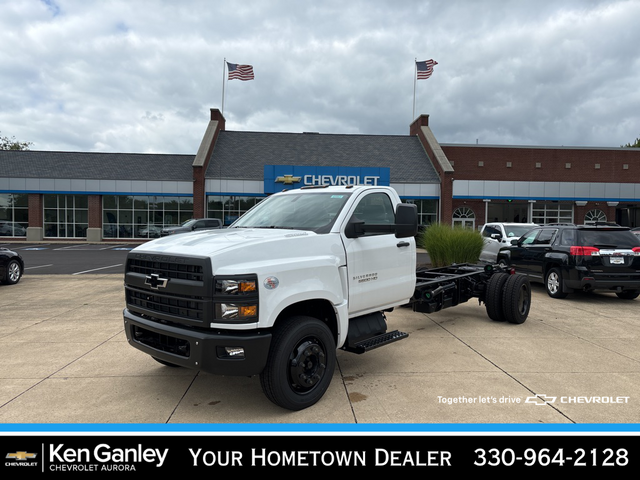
(578, 257)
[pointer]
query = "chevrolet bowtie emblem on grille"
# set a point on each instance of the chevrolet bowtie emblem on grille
(288, 179)
(155, 282)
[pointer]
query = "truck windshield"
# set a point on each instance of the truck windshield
(315, 211)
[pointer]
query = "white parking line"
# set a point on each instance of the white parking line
(86, 247)
(94, 269)
(39, 266)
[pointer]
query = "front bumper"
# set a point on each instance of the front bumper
(214, 352)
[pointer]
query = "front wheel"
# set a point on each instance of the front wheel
(553, 283)
(13, 272)
(301, 362)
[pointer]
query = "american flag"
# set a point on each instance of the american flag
(425, 69)
(241, 72)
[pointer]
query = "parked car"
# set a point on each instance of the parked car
(497, 235)
(193, 224)
(11, 266)
(578, 257)
(150, 231)
(12, 229)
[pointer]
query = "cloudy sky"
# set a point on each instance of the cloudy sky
(142, 75)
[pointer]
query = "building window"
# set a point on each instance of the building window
(143, 216)
(595, 216)
(66, 216)
(552, 212)
(228, 208)
(427, 210)
(464, 217)
(14, 214)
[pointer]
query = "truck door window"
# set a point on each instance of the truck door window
(375, 209)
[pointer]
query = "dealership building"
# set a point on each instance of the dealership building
(124, 196)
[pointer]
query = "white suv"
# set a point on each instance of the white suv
(498, 235)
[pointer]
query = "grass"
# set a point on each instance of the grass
(447, 245)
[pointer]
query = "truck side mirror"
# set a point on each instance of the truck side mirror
(406, 220)
(355, 228)
(406, 224)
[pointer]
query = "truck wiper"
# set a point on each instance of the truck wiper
(274, 227)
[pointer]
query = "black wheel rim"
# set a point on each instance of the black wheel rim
(523, 299)
(307, 365)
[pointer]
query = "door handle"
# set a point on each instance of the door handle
(403, 244)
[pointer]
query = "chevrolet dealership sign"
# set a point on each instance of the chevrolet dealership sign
(285, 177)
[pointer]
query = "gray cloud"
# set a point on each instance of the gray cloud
(141, 76)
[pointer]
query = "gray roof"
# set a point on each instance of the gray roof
(242, 155)
(95, 166)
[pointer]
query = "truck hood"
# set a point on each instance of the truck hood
(211, 242)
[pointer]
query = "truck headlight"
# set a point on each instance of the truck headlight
(235, 286)
(231, 311)
(236, 299)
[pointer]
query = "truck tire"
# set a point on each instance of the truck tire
(516, 299)
(553, 283)
(300, 364)
(493, 296)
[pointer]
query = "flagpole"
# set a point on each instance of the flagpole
(415, 74)
(224, 65)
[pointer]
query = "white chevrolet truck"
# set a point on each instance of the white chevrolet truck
(302, 274)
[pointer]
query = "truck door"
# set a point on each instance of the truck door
(381, 267)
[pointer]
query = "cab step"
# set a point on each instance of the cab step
(377, 341)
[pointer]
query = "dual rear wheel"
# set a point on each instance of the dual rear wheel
(508, 298)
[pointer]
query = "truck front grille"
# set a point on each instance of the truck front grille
(183, 271)
(170, 288)
(191, 308)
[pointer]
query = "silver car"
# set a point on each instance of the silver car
(497, 235)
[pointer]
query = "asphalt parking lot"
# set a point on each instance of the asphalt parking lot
(575, 361)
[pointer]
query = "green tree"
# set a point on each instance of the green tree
(7, 143)
(635, 144)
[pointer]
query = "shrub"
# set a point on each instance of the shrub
(447, 245)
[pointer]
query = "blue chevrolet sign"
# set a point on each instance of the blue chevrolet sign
(286, 177)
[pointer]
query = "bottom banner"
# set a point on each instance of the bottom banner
(105, 454)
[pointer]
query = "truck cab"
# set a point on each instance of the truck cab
(301, 274)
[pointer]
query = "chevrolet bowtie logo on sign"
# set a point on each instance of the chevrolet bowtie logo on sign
(21, 456)
(155, 281)
(288, 179)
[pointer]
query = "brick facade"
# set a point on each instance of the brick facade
(605, 166)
